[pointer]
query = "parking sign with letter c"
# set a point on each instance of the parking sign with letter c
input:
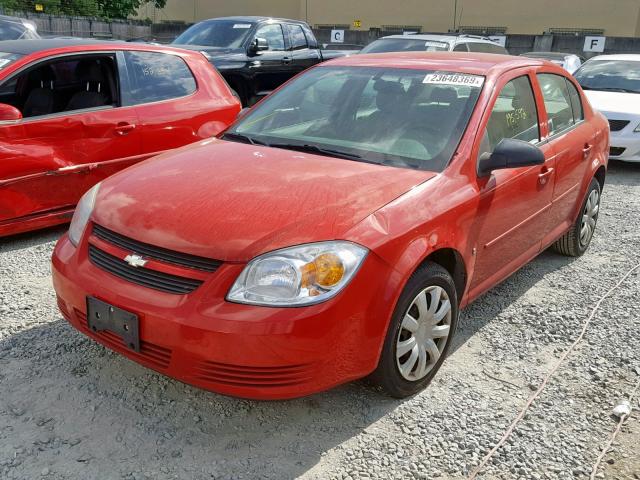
(337, 36)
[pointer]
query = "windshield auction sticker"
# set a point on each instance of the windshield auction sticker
(242, 25)
(457, 79)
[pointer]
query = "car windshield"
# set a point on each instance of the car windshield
(7, 58)
(397, 117)
(385, 45)
(15, 31)
(610, 75)
(216, 33)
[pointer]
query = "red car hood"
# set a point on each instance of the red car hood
(233, 201)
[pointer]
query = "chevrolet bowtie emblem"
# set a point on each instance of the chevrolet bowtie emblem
(135, 260)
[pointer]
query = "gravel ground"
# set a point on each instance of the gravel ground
(71, 409)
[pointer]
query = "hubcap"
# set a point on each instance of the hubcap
(589, 218)
(423, 334)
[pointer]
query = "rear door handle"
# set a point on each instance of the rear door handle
(543, 177)
(586, 150)
(287, 60)
(124, 128)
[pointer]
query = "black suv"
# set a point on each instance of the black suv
(256, 55)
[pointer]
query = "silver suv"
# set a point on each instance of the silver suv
(434, 43)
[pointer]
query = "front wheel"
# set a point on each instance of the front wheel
(576, 241)
(419, 334)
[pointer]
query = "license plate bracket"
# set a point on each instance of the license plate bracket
(103, 316)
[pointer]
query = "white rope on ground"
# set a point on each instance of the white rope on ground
(594, 471)
(474, 473)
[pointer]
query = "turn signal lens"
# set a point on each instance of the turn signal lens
(329, 269)
(325, 271)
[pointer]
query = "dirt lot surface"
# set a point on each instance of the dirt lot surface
(71, 409)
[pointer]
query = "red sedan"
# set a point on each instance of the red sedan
(335, 231)
(73, 112)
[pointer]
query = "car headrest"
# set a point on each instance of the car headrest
(89, 71)
(43, 77)
(388, 87)
(443, 95)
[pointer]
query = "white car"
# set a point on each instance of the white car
(434, 43)
(612, 84)
(568, 61)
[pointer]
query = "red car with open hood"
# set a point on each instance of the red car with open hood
(73, 112)
(335, 230)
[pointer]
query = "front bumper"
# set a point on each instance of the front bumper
(239, 350)
(625, 143)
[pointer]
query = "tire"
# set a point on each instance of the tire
(576, 241)
(397, 375)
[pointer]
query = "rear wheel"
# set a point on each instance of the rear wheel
(576, 241)
(419, 334)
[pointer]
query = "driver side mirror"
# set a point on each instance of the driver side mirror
(510, 153)
(259, 45)
(9, 113)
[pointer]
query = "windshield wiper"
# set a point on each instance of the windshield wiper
(243, 138)
(322, 151)
(611, 89)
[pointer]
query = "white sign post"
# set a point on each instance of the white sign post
(337, 36)
(594, 44)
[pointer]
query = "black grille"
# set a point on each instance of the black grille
(617, 125)
(616, 151)
(157, 253)
(142, 276)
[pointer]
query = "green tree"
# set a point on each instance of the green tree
(92, 8)
(125, 8)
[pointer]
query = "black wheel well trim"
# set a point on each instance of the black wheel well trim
(452, 261)
(600, 175)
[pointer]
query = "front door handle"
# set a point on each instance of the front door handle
(586, 150)
(287, 60)
(124, 128)
(543, 176)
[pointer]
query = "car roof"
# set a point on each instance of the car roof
(28, 47)
(547, 54)
(629, 57)
(7, 18)
(462, 62)
(441, 38)
(252, 19)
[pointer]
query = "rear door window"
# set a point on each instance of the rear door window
(297, 37)
(557, 102)
(576, 102)
(486, 48)
(155, 76)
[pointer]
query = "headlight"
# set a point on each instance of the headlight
(82, 214)
(297, 276)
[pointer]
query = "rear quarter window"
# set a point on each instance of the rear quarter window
(486, 48)
(155, 76)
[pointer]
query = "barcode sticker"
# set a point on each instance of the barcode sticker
(457, 79)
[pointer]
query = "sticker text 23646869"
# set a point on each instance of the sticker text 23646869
(458, 79)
